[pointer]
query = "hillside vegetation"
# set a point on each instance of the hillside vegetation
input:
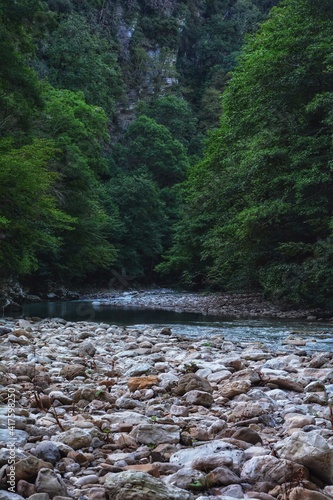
(106, 172)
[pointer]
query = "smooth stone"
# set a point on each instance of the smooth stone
(89, 479)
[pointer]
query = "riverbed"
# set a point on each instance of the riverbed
(125, 310)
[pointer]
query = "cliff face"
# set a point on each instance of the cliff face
(182, 47)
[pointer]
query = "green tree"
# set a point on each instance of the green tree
(142, 211)
(175, 114)
(19, 86)
(266, 179)
(151, 146)
(80, 135)
(79, 58)
(30, 218)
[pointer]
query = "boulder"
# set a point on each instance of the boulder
(28, 468)
(300, 493)
(71, 371)
(137, 383)
(133, 485)
(221, 450)
(156, 434)
(271, 469)
(309, 449)
(199, 398)
(48, 451)
(187, 479)
(76, 438)
(48, 482)
(231, 389)
(222, 476)
(247, 435)
(192, 382)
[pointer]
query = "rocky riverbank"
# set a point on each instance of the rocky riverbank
(103, 412)
(215, 304)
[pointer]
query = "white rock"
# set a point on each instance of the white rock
(309, 449)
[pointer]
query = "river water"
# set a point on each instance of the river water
(273, 332)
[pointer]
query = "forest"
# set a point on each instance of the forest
(178, 142)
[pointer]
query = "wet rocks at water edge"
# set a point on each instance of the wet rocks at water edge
(112, 413)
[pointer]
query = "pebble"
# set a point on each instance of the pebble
(168, 418)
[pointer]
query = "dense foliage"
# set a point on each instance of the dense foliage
(104, 110)
(259, 206)
(103, 107)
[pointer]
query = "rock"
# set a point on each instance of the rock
(25, 489)
(295, 420)
(39, 496)
(61, 397)
(187, 479)
(128, 418)
(221, 450)
(8, 495)
(71, 371)
(87, 349)
(300, 493)
(222, 476)
(247, 435)
(76, 438)
(309, 449)
(138, 369)
(148, 468)
(211, 462)
(21, 437)
(96, 494)
(271, 469)
(48, 451)
(89, 479)
(48, 482)
(192, 382)
(131, 485)
(4, 330)
(199, 398)
(28, 468)
(138, 383)
(156, 434)
(231, 389)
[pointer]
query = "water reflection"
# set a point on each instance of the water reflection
(319, 336)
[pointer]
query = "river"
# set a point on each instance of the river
(273, 332)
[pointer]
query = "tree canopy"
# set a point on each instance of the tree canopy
(266, 179)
